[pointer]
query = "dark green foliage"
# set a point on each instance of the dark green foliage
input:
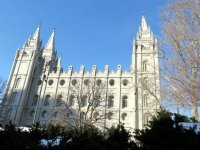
(119, 139)
(165, 133)
(74, 138)
(14, 138)
(84, 138)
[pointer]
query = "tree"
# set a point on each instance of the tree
(120, 139)
(165, 132)
(181, 26)
(85, 104)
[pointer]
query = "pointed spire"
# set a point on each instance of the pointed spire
(36, 35)
(59, 62)
(144, 24)
(51, 43)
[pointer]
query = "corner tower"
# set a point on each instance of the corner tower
(145, 67)
(20, 78)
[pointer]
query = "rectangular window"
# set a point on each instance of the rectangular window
(110, 103)
(124, 103)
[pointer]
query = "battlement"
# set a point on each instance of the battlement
(93, 73)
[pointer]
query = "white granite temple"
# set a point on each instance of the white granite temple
(39, 90)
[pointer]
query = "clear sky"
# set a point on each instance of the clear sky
(88, 32)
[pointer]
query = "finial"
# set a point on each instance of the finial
(39, 25)
(59, 62)
(54, 29)
(144, 24)
(51, 42)
(36, 35)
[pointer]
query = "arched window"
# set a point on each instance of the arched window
(124, 101)
(35, 100)
(145, 100)
(144, 66)
(142, 47)
(13, 98)
(44, 114)
(82, 116)
(8, 114)
(47, 101)
(96, 115)
(110, 101)
(97, 100)
(124, 116)
(84, 101)
(69, 114)
(71, 100)
(110, 115)
(55, 114)
(59, 100)
(32, 113)
(17, 82)
(146, 118)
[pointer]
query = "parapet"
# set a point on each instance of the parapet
(93, 73)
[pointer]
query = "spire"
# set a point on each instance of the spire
(144, 24)
(36, 35)
(59, 62)
(51, 43)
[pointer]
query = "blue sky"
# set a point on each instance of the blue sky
(88, 32)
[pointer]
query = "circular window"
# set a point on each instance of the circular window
(62, 82)
(50, 82)
(74, 82)
(110, 115)
(111, 82)
(124, 115)
(125, 82)
(44, 114)
(32, 113)
(98, 82)
(86, 82)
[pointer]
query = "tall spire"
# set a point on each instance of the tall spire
(51, 43)
(36, 35)
(144, 24)
(59, 62)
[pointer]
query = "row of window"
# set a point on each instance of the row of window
(83, 102)
(44, 114)
(96, 115)
(75, 82)
(59, 100)
(86, 82)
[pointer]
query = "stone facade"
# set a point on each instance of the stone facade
(38, 88)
